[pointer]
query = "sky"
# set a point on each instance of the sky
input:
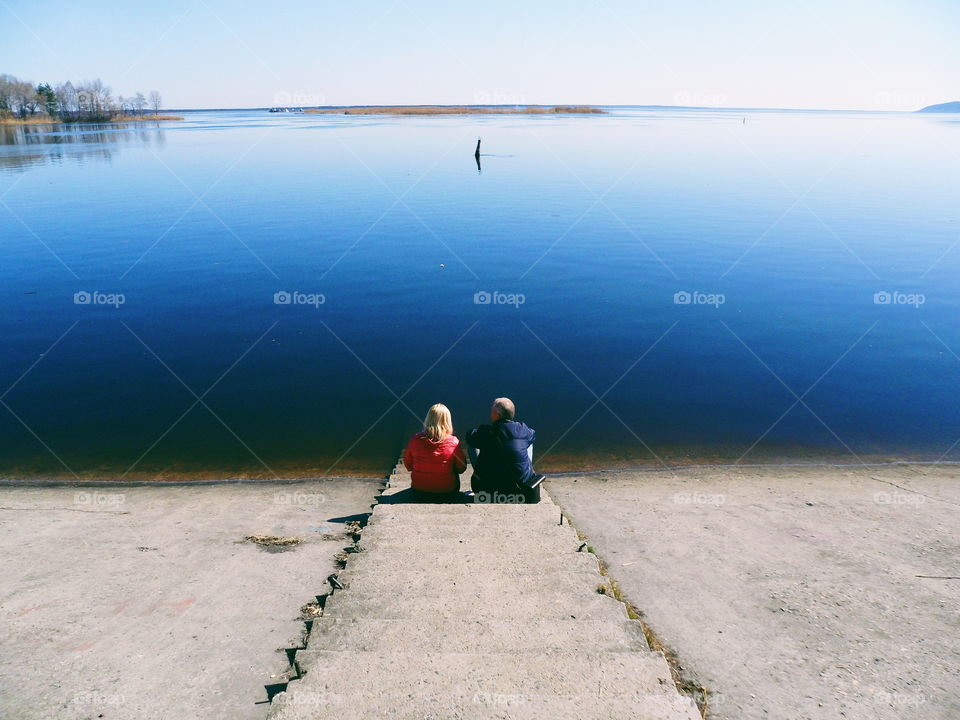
(829, 54)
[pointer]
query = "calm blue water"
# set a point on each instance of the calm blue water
(781, 230)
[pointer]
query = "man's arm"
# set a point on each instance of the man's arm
(478, 438)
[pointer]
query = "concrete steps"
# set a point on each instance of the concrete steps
(531, 583)
(486, 603)
(473, 531)
(528, 546)
(450, 511)
(610, 675)
(464, 556)
(482, 706)
(475, 611)
(501, 635)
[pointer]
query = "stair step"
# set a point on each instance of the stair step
(401, 585)
(426, 527)
(521, 635)
(489, 510)
(485, 604)
(460, 560)
(523, 545)
(306, 705)
(463, 674)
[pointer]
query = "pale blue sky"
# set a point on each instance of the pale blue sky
(843, 54)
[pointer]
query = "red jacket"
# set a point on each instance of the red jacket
(434, 466)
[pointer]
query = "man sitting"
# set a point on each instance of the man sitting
(502, 453)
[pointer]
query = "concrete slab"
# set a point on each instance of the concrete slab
(791, 592)
(138, 603)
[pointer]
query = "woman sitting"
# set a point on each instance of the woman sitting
(435, 457)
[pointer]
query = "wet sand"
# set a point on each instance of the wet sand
(814, 592)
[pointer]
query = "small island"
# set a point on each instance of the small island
(458, 110)
(949, 107)
(23, 103)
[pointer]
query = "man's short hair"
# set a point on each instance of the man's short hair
(505, 408)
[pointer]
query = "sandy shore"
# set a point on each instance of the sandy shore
(815, 592)
(145, 602)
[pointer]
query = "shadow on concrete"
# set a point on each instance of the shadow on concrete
(410, 496)
(359, 517)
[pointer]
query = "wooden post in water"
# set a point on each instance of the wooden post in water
(476, 156)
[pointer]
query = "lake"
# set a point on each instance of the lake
(245, 293)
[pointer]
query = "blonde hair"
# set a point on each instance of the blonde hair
(438, 423)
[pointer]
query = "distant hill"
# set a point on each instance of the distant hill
(950, 107)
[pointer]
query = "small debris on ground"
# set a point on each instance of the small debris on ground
(310, 611)
(274, 540)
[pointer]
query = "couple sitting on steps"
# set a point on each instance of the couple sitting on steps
(501, 454)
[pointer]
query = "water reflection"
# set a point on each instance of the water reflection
(55, 143)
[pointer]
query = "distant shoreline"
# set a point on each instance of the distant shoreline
(117, 119)
(458, 110)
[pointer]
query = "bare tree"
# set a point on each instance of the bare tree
(66, 99)
(7, 83)
(26, 99)
(97, 98)
(89, 100)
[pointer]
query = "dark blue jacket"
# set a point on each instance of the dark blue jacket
(503, 462)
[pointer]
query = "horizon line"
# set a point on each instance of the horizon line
(510, 105)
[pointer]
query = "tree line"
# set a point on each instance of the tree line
(90, 100)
